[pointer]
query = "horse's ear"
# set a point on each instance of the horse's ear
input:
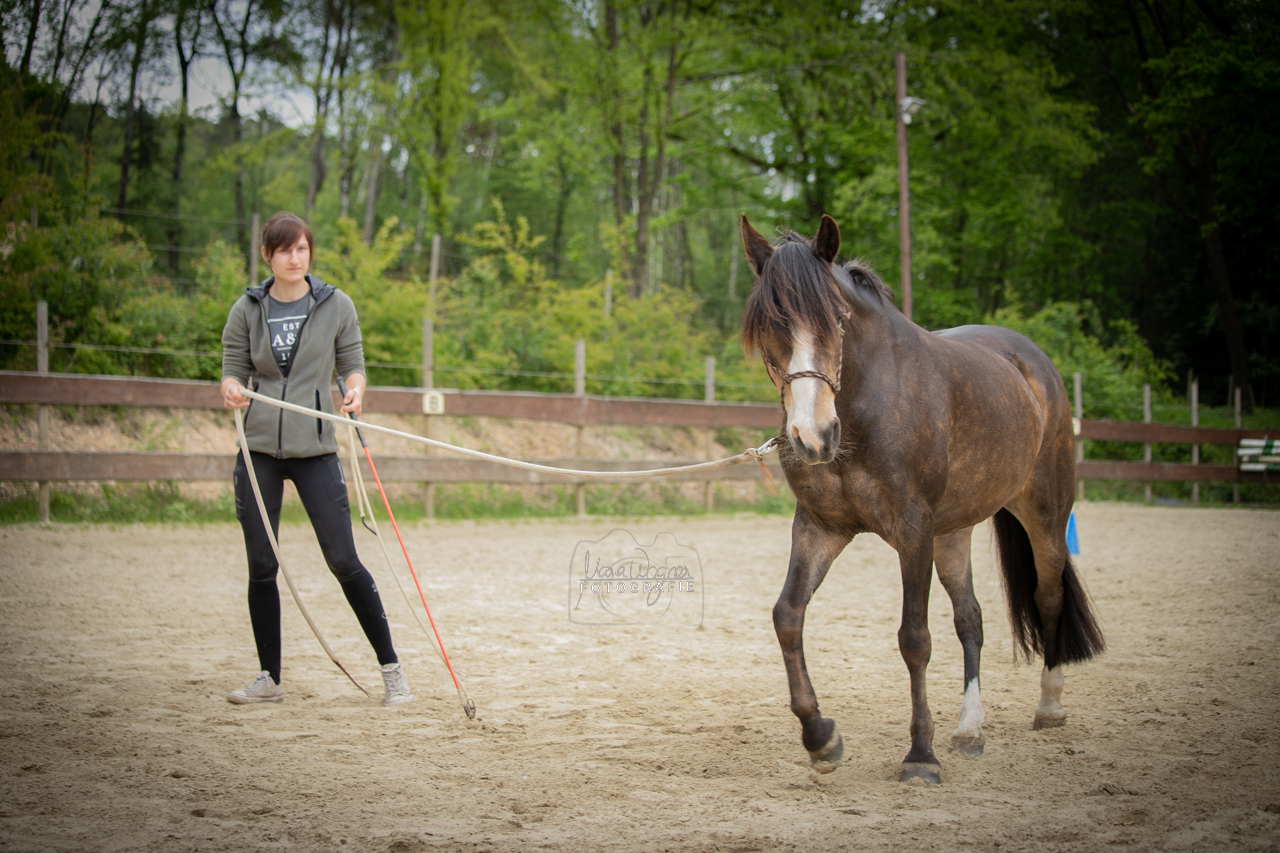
(757, 247)
(826, 243)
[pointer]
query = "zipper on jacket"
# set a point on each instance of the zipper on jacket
(284, 390)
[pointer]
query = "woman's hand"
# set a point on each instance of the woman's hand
(231, 396)
(353, 402)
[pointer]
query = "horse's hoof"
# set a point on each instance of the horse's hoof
(1049, 721)
(828, 758)
(920, 773)
(969, 746)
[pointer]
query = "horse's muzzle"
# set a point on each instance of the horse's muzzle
(821, 449)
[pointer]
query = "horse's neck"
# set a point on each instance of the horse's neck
(874, 334)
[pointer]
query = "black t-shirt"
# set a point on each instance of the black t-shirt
(284, 320)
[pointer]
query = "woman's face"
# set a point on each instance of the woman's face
(290, 265)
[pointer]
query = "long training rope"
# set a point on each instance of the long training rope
(371, 524)
(275, 546)
(751, 454)
(754, 454)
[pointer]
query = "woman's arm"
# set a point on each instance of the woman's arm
(354, 401)
(237, 364)
(236, 360)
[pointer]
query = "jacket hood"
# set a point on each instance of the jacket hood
(320, 290)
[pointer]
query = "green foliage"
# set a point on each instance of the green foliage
(390, 309)
(87, 270)
(1113, 373)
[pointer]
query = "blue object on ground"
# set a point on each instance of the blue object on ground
(1073, 538)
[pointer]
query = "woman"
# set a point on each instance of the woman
(284, 338)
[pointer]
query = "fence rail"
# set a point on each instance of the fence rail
(579, 410)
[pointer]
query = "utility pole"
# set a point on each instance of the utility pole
(435, 263)
(904, 201)
(255, 241)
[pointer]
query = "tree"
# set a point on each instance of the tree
(136, 36)
(1197, 85)
(432, 94)
(245, 36)
(643, 54)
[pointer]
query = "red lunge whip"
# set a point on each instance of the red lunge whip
(468, 706)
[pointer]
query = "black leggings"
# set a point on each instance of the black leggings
(323, 492)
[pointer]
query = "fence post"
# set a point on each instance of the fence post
(580, 390)
(709, 396)
(42, 413)
(1195, 448)
(1078, 383)
(1235, 487)
(428, 382)
(1146, 445)
(255, 244)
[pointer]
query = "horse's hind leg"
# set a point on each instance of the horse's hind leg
(812, 552)
(955, 570)
(1048, 544)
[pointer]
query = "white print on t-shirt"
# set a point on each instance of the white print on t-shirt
(284, 333)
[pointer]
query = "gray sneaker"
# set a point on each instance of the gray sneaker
(263, 689)
(393, 680)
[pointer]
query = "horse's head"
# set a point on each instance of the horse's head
(794, 318)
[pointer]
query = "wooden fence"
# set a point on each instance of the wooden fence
(580, 410)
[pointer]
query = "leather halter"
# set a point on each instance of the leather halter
(788, 378)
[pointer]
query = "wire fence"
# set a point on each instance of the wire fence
(388, 365)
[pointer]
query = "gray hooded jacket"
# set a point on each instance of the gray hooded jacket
(329, 339)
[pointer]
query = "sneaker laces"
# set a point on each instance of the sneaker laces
(394, 681)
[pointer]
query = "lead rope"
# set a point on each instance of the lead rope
(751, 454)
(371, 524)
(275, 546)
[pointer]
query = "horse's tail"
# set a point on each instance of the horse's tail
(1079, 637)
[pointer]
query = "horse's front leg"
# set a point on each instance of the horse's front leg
(915, 554)
(812, 551)
(955, 570)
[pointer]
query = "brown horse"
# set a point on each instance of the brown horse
(916, 437)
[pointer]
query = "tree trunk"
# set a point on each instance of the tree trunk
(621, 202)
(1211, 235)
(371, 195)
(321, 90)
(316, 179)
(237, 135)
(180, 144)
(179, 153)
(25, 66)
(139, 43)
(562, 203)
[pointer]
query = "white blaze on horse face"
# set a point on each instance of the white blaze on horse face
(812, 407)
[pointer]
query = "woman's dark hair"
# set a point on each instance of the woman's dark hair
(282, 231)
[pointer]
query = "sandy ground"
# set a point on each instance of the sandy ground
(118, 646)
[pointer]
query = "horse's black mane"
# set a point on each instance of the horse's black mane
(797, 290)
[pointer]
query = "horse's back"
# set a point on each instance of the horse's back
(1018, 350)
